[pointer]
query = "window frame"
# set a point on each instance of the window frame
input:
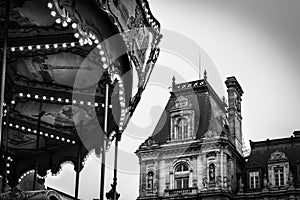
(256, 179)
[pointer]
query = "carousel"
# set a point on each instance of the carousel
(73, 72)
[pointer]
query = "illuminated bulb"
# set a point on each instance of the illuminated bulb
(8, 172)
(47, 46)
(103, 105)
(17, 126)
(13, 49)
(74, 101)
(58, 20)
(34, 131)
(110, 106)
(38, 46)
(85, 41)
(73, 142)
(64, 24)
(13, 102)
(62, 139)
(64, 45)
(81, 44)
(57, 137)
(89, 103)
(51, 99)
(21, 94)
(29, 47)
(46, 134)
(101, 53)
(68, 140)
(105, 66)
(81, 102)
(103, 59)
(44, 97)
(96, 104)
(28, 95)
(72, 44)
(4, 123)
(55, 45)
(50, 5)
(76, 35)
(69, 19)
(41, 133)
(81, 41)
(59, 99)
(10, 124)
(29, 130)
(90, 42)
(23, 128)
(99, 46)
(74, 25)
(53, 13)
(52, 136)
(67, 101)
(93, 37)
(5, 111)
(21, 48)
(36, 96)
(96, 41)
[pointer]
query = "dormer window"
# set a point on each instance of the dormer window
(182, 120)
(278, 168)
(254, 180)
(279, 176)
(182, 129)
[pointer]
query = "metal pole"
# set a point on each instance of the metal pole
(7, 8)
(5, 138)
(104, 145)
(78, 171)
(41, 113)
(116, 164)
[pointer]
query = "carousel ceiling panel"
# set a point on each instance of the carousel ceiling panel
(57, 115)
(58, 69)
(30, 18)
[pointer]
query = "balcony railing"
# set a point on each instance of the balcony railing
(182, 191)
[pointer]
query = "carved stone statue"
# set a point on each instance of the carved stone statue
(241, 185)
(204, 182)
(266, 184)
(291, 180)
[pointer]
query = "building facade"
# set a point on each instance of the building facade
(195, 151)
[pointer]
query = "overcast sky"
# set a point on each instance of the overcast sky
(257, 41)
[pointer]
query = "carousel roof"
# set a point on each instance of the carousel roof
(60, 56)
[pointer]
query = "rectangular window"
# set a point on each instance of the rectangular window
(182, 183)
(185, 132)
(279, 176)
(254, 180)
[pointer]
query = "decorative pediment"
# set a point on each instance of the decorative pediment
(278, 156)
(181, 102)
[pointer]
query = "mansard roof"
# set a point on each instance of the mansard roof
(208, 107)
(263, 152)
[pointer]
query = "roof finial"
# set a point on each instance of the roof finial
(173, 81)
(224, 99)
(205, 74)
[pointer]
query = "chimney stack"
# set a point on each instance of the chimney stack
(235, 93)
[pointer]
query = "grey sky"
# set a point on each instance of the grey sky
(255, 40)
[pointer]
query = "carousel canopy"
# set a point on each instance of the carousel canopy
(60, 56)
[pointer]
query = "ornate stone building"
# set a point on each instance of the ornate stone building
(195, 151)
(196, 148)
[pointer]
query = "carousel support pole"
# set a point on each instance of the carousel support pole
(78, 171)
(7, 8)
(5, 138)
(102, 181)
(116, 164)
(41, 113)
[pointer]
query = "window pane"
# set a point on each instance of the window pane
(185, 183)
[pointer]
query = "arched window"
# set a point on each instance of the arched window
(212, 173)
(181, 128)
(182, 176)
(150, 180)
